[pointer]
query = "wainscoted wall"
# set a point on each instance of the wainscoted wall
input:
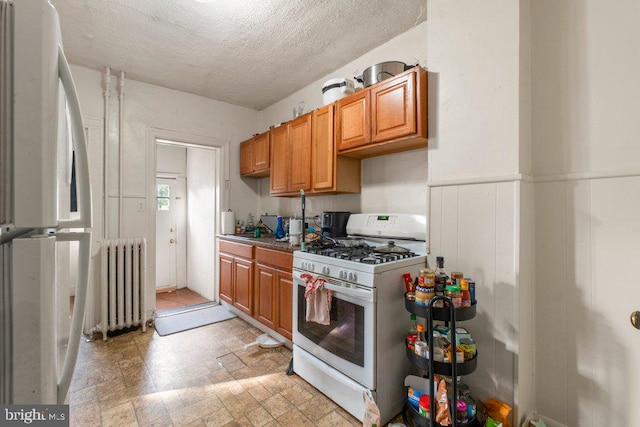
(475, 228)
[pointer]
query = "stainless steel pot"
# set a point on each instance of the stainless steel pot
(379, 72)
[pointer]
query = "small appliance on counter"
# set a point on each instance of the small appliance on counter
(335, 89)
(270, 222)
(334, 224)
(295, 231)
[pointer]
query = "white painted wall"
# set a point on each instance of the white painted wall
(171, 160)
(585, 149)
(479, 145)
(394, 183)
(201, 184)
(480, 207)
(148, 109)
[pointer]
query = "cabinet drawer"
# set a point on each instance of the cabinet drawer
(237, 249)
(278, 259)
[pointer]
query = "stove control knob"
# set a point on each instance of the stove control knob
(303, 265)
(351, 276)
(312, 266)
(325, 270)
(342, 274)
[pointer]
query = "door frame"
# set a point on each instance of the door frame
(168, 137)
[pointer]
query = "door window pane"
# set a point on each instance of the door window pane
(162, 197)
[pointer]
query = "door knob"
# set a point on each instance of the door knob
(171, 230)
(635, 319)
(172, 241)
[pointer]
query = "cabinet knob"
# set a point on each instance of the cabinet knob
(171, 241)
(635, 319)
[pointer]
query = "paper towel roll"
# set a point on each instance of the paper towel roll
(295, 226)
(228, 223)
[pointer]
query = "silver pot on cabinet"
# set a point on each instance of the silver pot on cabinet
(382, 71)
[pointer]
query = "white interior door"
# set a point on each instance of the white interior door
(166, 233)
(615, 246)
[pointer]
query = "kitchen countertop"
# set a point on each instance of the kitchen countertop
(266, 241)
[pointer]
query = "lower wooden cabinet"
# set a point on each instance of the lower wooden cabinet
(236, 275)
(258, 282)
(284, 305)
(273, 291)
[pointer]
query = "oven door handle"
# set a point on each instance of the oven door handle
(359, 292)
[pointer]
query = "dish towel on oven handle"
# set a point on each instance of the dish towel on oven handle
(318, 299)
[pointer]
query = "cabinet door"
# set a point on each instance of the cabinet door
(261, 151)
(246, 157)
(226, 278)
(393, 109)
(300, 143)
(322, 149)
(279, 159)
(243, 274)
(265, 296)
(353, 121)
(284, 288)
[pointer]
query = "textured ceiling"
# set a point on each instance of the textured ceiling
(245, 52)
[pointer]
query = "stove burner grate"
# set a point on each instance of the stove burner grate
(363, 254)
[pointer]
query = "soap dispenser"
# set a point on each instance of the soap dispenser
(280, 229)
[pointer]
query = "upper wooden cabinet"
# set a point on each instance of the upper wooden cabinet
(255, 156)
(279, 159)
(291, 157)
(388, 117)
(330, 173)
(354, 121)
(300, 161)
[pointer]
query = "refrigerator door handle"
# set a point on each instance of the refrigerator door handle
(77, 319)
(79, 146)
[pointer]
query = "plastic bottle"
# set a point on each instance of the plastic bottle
(413, 326)
(280, 229)
(421, 347)
(465, 295)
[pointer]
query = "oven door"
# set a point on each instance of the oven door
(348, 343)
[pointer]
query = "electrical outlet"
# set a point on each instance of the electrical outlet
(141, 207)
(227, 184)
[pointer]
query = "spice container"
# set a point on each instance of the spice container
(438, 351)
(454, 293)
(461, 412)
(455, 277)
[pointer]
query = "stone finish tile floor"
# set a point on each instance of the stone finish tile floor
(200, 377)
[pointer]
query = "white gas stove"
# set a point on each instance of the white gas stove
(363, 347)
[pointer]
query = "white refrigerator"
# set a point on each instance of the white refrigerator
(45, 208)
